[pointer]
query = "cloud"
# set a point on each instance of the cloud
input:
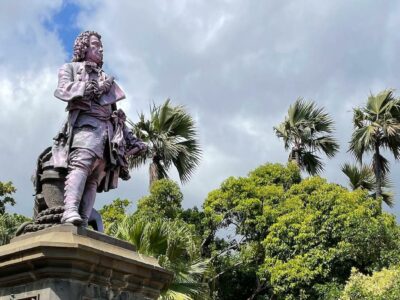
(30, 116)
(236, 66)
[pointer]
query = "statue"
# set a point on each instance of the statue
(90, 151)
(94, 141)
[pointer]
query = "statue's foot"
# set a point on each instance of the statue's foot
(72, 218)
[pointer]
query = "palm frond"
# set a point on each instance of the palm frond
(173, 243)
(172, 134)
(388, 198)
(359, 177)
(307, 129)
(377, 126)
(312, 163)
(380, 164)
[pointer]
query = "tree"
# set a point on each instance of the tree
(246, 205)
(114, 212)
(175, 247)
(363, 178)
(359, 177)
(380, 285)
(377, 127)
(9, 224)
(295, 239)
(171, 134)
(306, 131)
(6, 190)
(164, 200)
(321, 232)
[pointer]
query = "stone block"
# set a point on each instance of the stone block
(67, 263)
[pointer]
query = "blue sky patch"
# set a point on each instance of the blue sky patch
(64, 24)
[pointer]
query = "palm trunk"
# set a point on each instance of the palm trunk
(295, 156)
(153, 173)
(378, 172)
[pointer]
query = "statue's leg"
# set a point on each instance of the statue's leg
(89, 194)
(81, 162)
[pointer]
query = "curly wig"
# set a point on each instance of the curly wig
(81, 44)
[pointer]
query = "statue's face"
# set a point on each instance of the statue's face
(95, 51)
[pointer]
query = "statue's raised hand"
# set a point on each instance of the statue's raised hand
(106, 85)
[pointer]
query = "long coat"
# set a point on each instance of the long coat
(72, 78)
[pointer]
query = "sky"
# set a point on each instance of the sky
(235, 65)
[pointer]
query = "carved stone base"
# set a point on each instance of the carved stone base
(67, 262)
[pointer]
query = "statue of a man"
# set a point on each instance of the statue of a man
(94, 141)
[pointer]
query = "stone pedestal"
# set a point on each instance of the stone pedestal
(70, 263)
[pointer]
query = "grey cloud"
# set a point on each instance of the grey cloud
(29, 115)
(236, 63)
(236, 66)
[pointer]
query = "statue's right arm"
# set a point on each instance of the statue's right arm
(67, 88)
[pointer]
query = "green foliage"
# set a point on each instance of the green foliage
(381, 285)
(329, 291)
(176, 248)
(248, 202)
(233, 279)
(359, 177)
(114, 212)
(307, 130)
(9, 224)
(377, 127)
(323, 230)
(164, 200)
(196, 219)
(250, 205)
(295, 239)
(6, 190)
(362, 177)
(171, 134)
(158, 229)
(376, 123)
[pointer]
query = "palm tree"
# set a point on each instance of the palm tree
(306, 131)
(377, 127)
(173, 243)
(363, 178)
(171, 134)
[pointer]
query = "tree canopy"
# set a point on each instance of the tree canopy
(9, 223)
(300, 238)
(6, 190)
(114, 212)
(164, 200)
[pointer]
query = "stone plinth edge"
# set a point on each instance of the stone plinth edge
(81, 258)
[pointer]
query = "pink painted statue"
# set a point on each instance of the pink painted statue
(94, 141)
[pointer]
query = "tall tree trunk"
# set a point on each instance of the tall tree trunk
(378, 172)
(204, 251)
(295, 156)
(153, 173)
